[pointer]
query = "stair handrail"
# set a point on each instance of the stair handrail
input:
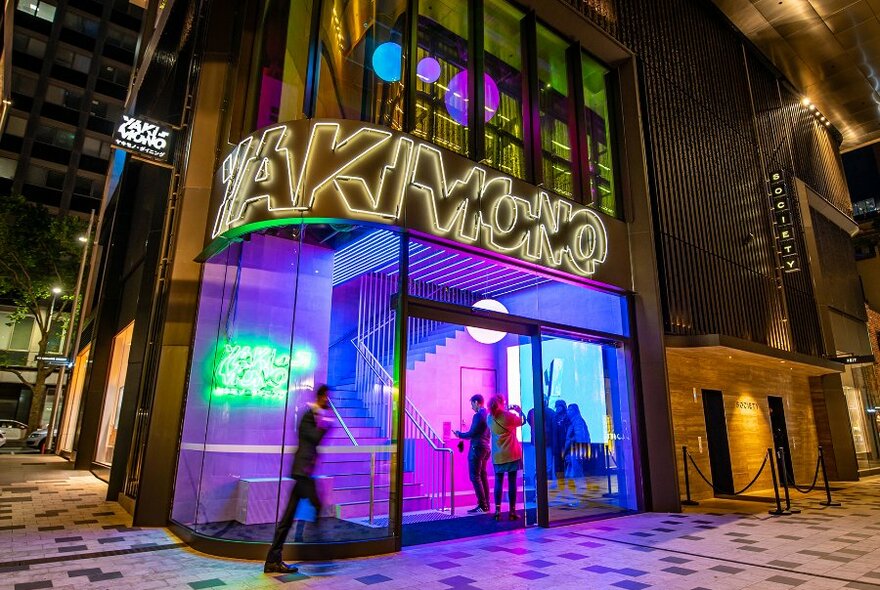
(430, 435)
(372, 362)
(343, 424)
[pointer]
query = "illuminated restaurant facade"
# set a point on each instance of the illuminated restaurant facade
(416, 201)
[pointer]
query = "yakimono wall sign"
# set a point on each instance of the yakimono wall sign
(320, 170)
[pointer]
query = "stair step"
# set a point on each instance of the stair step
(348, 495)
(357, 432)
(361, 509)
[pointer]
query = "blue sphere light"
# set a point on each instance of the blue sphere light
(386, 61)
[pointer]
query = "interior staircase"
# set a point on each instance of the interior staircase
(351, 471)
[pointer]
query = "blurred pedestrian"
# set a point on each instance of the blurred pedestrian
(312, 427)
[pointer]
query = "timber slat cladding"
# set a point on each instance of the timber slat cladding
(745, 381)
(714, 111)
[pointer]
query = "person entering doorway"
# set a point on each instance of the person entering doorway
(478, 454)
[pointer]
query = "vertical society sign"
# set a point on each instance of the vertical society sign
(780, 200)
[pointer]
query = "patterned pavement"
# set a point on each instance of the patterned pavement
(57, 531)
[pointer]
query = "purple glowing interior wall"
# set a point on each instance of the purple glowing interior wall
(251, 301)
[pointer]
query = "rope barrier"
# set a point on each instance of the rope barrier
(812, 486)
(711, 485)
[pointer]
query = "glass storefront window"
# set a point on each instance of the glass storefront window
(361, 74)
(282, 58)
(281, 313)
(590, 462)
(442, 63)
(70, 416)
(555, 112)
(113, 395)
(600, 172)
(503, 63)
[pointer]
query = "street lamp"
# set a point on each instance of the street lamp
(59, 387)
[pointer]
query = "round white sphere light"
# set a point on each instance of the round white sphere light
(483, 335)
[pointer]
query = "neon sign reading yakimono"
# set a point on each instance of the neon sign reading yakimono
(327, 169)
(257, 370)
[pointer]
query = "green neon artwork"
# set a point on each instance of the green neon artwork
(258, 370)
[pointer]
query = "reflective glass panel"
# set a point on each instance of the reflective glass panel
(555, 112)
(503, 64)
(588, 427)
(600, 172)
(362, 61)
(282, 57)
(442, 63)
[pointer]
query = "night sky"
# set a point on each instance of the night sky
(862, 173)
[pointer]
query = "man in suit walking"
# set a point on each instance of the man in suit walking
(312, 427)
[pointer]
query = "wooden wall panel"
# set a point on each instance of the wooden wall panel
(745, 381)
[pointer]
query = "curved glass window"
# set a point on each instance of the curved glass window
(280, 313)
(361, 52)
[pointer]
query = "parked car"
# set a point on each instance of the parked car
(37, 439)
(13, 429)
(2, 438)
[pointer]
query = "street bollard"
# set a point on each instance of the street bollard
(687, 480)
(828, 502)
(779, 511)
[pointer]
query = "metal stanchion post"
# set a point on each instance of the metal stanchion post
(687, 480)
(828, 502)
(783, 474)
(609, 493)
(779, 511)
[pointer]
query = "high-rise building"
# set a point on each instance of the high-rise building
(69, 63)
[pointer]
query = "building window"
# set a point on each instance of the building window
(504, 110)
(361, 63)
(599, 175)
(116, 74)
(96, 147)
(547, 115)
(84, 186)
(7, 168)
(55, 179)
(56, 136)
(29, 45)
(555, 112)
(81, 24)
(63, 97)
(38, 8)
(73, 60)
(16, 126)
(113, 395)
(21, 334)
(281, 61)
(120, 39)
(23, 84)
(442, 101)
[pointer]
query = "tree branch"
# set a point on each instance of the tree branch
(20, 374)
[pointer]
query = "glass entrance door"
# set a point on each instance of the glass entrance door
(587, 426)
(450, 480)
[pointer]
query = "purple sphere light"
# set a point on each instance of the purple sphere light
(456, 98)
(428, 70)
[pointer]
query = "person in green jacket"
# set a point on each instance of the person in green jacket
(507, 454)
